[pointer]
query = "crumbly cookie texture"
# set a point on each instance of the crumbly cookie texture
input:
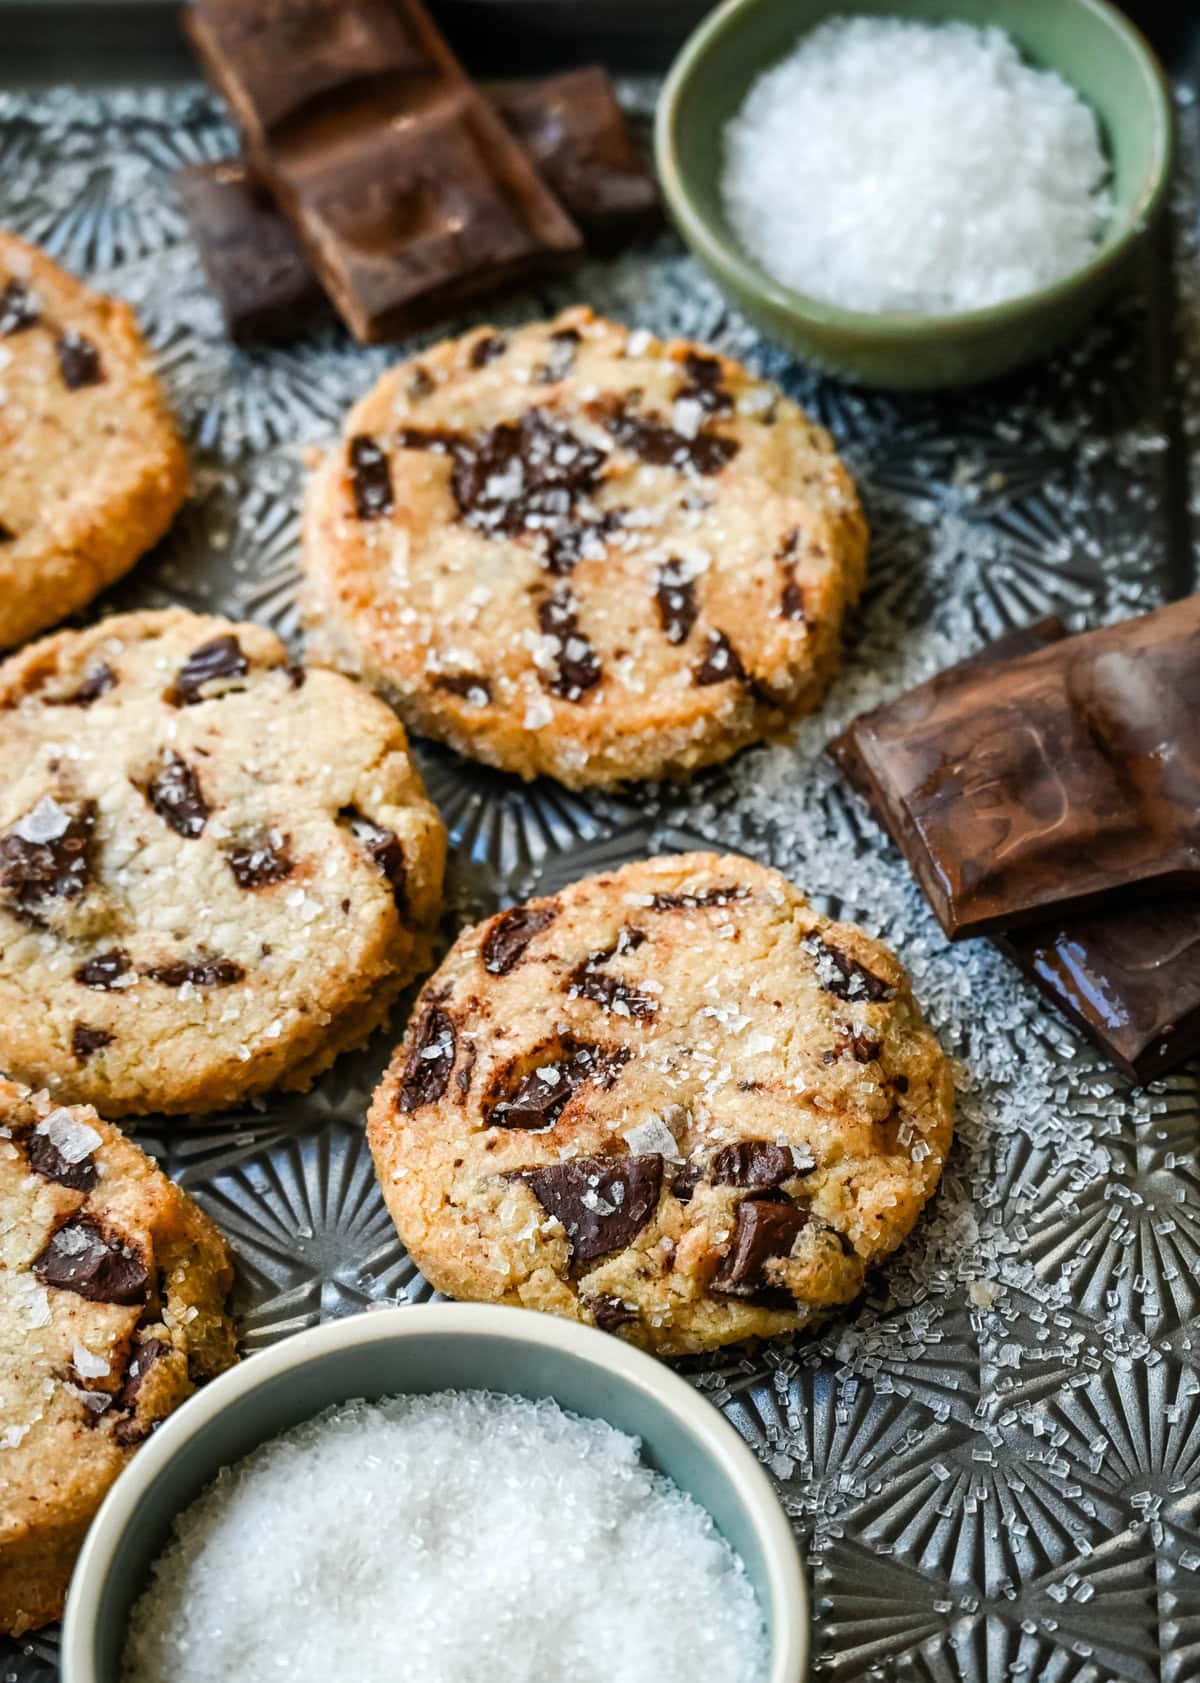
(674, 1102)
(113, 1293)
(216, 869)
(578, 550)
(91, 467)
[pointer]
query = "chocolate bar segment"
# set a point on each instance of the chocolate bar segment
(1051, 783)
(406, 189)
(1129, 978)
(573, 129)
(254, 262)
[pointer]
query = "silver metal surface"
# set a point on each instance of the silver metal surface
(992, 1461)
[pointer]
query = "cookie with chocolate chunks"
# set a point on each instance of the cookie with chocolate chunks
(91, 467)
(213, 878)
(577, 550)
(114, 1289)
(665, 1102)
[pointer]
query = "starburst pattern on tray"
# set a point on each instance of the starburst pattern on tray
(992, 1457)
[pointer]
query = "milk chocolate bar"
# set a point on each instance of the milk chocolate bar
(255, 264)
(573, 129)
(407, 190)
(1130, 978)
(1051, 784)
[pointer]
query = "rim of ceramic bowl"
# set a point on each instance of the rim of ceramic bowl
(786, 1587)
(725, 255)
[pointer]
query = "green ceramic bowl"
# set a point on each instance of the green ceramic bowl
(431, 1348)
(1088, 42)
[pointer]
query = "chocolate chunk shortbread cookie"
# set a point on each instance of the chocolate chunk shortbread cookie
(578, 550)
(675, 1102)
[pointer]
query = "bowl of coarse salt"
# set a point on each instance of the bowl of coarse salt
(916, 193)
(441, 1492)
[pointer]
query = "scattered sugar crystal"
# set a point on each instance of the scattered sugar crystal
(447, 1538)
(73, 1140)
(894, 165)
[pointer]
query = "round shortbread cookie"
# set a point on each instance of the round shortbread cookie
(674, 1101)
(577, 550)
(91, 467)
(216, 869)
(113, 1290)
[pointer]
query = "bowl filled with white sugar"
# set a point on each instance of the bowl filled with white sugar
(441, 1493)
(916, 193)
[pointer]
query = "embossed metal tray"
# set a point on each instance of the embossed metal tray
(993, 1460)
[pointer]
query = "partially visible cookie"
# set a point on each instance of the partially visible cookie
(217, 870)
(113, 1295)
(91, 467)
(578, 550)
(675, 1102)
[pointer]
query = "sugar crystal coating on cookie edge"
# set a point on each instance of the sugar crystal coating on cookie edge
(216, 869)
(578, 550)
(113, 1293)
(674, 1101)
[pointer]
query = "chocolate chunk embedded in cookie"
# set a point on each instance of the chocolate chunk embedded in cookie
(213, 878)
(666, 1101)
(113, 1289)
(577, 550)
(91, 468)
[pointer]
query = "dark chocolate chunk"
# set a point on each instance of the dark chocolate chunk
(609, 1313)
(404, 184)
(487, 349)
(85, 1040)
(560, 359)
(1045, 785)
(81, 1257)
(371, 478)
(175, 794)
(510, 933)
(660, 445)
(541, 1096)
(105, 970)
(472, 686)
(221, 657)
(427, 1072)
(384, 847)
(703, 384)
(590, 980)
(602, 1202)
(17, 309)
(47, 1160)
(762, 1231)
(721, 664)
(579, 537)
(572, 127)
(421, 384)
(758, 1165)
(143, 1358)
(685, 1180)
(96, 683)
(692, 902)
(7, 535)
(791, 603)
(577, 668)
(258, 862)
(78, 362)
(254, 263)
(843, 976)
(200, 972)
(44, 855)
(675, 594)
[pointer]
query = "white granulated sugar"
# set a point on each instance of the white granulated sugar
(890, 165)
(445, 1539)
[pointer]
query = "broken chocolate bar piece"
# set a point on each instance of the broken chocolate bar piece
(573, 129)
(254, 262)
(405, 187)
(1053, 783)
(1130, 978)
